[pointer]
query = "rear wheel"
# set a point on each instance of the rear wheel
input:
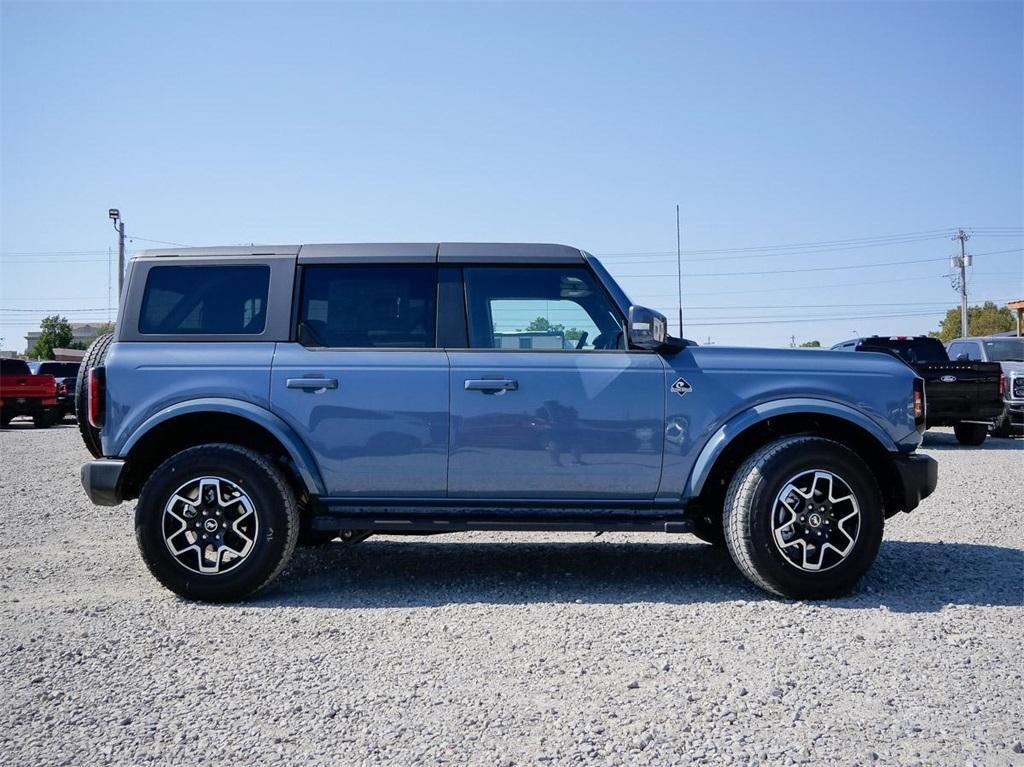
(46, 419)
(803, 518)
(216, 522)
(972, 434)
(5, 419)
(94, 357)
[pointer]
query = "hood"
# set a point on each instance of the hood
(749, 359)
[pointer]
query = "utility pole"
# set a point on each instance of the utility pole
(679, 270)
(108, 283)
(961, 262)
(115, 216)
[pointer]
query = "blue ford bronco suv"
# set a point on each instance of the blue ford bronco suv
(256, 398)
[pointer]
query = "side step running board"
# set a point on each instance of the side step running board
(394, 520)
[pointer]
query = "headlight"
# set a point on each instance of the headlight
(1017, 387)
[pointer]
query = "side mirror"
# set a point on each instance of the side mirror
(647, 329)
(963, 357)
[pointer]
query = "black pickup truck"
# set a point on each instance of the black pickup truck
(965, 395)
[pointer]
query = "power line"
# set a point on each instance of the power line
(783, 321)
(821, 268)
(929, 233)
(158, 242)
(775, 253)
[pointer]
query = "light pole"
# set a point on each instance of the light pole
(115, 216)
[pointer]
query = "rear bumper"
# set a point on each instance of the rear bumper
(919, 474)
(15, 406)
(980, 414)
(102, 481)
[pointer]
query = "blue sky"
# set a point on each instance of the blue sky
(584, 124)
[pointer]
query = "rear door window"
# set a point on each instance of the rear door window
(205, 300)
(368, 307)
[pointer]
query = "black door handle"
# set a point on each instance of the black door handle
(311, 383)
(490, 385)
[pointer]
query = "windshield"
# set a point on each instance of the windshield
(1005, 350)
(60, 369)
(909, 349)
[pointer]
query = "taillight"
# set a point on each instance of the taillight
(919, 405)
(97, 384)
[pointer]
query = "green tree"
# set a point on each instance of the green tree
(543, 325)
(982, 320)
(811, 345)
(55, 333)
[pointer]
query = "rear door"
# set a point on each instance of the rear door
(363, 381)
(546, 402)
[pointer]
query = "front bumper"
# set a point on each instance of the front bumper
(919, 474)
(1015, 412)
(102, 481)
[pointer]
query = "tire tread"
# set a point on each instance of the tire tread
(94, 357)
(281, 484)
(739, 496)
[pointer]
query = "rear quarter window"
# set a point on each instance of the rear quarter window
(205, 300)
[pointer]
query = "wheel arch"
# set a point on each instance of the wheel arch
(757, 426)
(196, 422)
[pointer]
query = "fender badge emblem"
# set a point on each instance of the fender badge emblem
(680, 387)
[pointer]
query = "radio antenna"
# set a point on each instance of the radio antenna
(679, 271)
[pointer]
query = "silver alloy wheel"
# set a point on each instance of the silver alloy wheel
(815, 520)
(210, 525)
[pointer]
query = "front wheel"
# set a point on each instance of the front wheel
(971, 434)
(803, 518)
(216, 522)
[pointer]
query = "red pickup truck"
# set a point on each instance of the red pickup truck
(22, 393)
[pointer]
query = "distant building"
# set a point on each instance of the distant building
(82, 332)
(1018, 308)
(532, 339)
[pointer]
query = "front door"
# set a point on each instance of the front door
(364, 383)
(547, 403)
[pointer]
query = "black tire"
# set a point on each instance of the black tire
(274, 508)
(5, 419)
(750, 504)
(45, 420)
(94, 357)
(971, 434)
(1001, 428)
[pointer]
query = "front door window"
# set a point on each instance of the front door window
(538, 308)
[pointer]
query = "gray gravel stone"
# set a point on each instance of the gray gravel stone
(511, 649)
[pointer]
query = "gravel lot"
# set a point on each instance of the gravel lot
(497, 649)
